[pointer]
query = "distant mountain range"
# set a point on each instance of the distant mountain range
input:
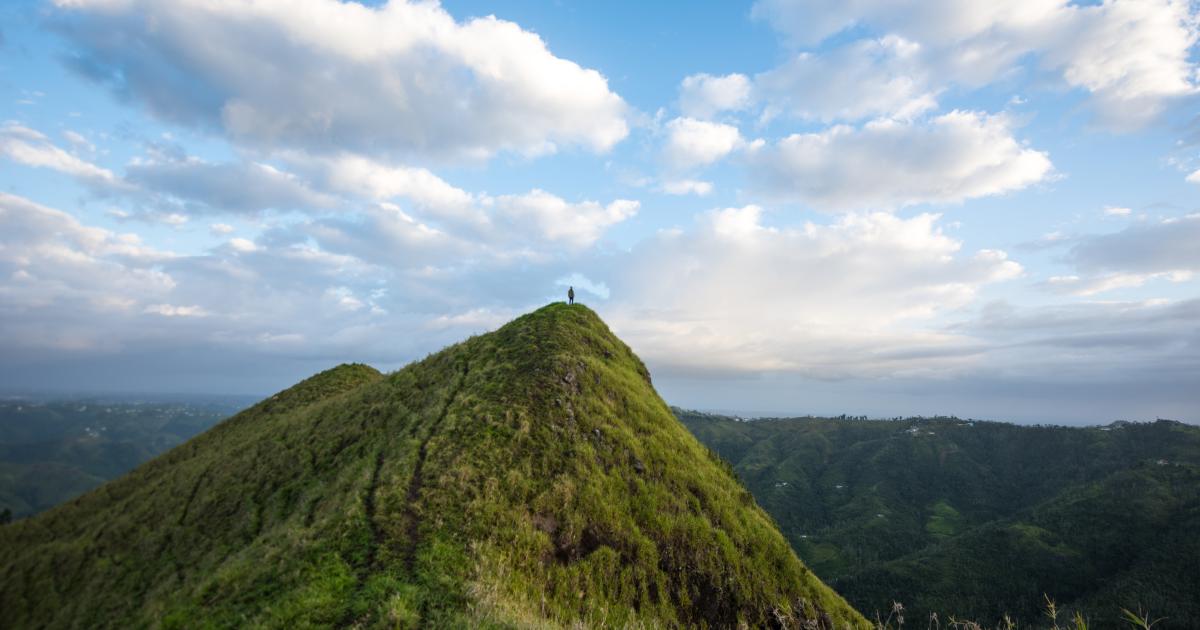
(981, 519)
(53, 450)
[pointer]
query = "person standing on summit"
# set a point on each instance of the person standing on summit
(570, 295)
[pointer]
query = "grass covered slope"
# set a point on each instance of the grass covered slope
(530, 477)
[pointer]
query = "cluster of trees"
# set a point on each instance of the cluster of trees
(980, 519)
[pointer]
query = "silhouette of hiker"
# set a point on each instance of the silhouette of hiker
(570, 295)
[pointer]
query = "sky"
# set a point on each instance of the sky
(870, 207)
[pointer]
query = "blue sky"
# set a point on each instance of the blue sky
(784, 206)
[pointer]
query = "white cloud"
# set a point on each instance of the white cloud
(243, 245)
(52, 267)
(32, 148)
(889, 163)
(401, 80)
(170, 310)
(344, 299)
(174, 219)
(704, 95)
(297, 298)
(225, 187)
(687, 187)
(1132, 57)
(78, 140)
(863, 79)
(1117, 211)
(69, 288)
(1086, 287)
(385, 234)
(359, 176)
(1194, 177)
(691, 143)
(556, 219)
(830, 301)
(169, 187)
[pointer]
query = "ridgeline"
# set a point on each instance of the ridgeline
(530, 477)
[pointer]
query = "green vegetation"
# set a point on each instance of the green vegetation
(981, 519)
(54, 451)
(526, 478)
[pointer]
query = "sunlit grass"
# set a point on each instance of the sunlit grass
(529, 477)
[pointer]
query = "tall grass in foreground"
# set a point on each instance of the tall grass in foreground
(1077, 621)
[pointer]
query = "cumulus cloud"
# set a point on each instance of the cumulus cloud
(359, 176)
(888, 163)
(166, 186)
(51, 265)
(410, 208)
(243, 245)
(556, 219)
(852, 298)
(402, 79)
(69, 287)
(704, 95)
(75, 297)
(384, 234)
(227, 187)
(864, 79)
(1132, 57)
(691, 142)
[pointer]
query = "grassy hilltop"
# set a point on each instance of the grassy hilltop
(530, 477)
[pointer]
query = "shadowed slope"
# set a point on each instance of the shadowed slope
(530, 477)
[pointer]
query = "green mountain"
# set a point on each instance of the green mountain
(530, 477)
(981, 519)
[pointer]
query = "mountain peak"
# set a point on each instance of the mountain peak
(526, 477)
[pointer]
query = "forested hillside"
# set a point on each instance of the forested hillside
(980, 519)
(54, 450)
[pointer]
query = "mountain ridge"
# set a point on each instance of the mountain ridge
(529, 477)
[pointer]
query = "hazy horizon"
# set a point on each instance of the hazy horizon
(783, 206)
(679, 394)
